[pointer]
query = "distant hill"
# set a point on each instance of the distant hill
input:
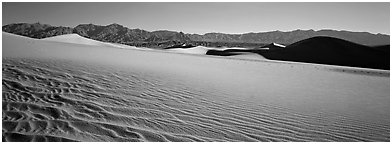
(333, 51)
(290, 37)
(36, 30)
(116, 33)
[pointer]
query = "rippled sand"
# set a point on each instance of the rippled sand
(156, 96)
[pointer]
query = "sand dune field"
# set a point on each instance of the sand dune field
(62, 91)
(76, 39)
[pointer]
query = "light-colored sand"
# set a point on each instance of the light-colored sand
(64, 92)
(201, 50)
(76, 39)
(248, 56)
(194, 50)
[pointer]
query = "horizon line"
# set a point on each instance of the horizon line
(340, 30)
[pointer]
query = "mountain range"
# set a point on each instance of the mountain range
(116, 33)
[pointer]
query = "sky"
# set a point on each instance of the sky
(200, 18)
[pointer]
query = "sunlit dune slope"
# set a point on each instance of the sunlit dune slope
(194, 50)
(77, 39)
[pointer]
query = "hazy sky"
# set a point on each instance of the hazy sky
(208, 17)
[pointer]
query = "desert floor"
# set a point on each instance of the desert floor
(81, 90)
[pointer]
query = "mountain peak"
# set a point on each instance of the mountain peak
(114, 25)
(119, 34)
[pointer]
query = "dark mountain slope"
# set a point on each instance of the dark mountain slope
(36, 30)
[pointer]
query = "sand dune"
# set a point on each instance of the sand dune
(320, 50)
(332, 51)
(273, 46)
(194, 50)
(54, 91)
(76, 39)
(201, 50)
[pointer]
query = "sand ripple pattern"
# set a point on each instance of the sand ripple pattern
(65, 101)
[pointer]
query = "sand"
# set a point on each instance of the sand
(332, 51)
(55, 91)
(77, 39)
(200, 50)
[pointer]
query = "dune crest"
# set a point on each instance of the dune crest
(77, 39)
(194, 50)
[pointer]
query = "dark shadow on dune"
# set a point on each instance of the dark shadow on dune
(383, 48)
(323, 50)
(17, 137)
(184, 46)
(229, 52)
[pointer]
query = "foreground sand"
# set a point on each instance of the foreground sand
(72, 92)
